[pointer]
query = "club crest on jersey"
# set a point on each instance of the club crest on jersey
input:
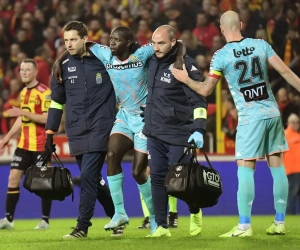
(133, 58)
(71, 69)
(98, 78)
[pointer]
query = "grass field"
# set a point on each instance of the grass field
(25, 237)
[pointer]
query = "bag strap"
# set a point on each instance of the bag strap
(193, 147)
(207, 160)
(184, 154)
(46, 155)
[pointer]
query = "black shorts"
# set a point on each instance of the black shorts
(24, 159)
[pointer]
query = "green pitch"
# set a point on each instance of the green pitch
(25, 237)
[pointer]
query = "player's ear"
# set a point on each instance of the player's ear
(241, 26)
(84, 38)
(173, 42)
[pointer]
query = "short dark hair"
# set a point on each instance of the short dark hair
(80, 27)
(29, 60)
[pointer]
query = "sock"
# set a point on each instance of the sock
(280, 192)
(144, 207)
(245, 196)
(12, 198)
(172, 204)
(46, 209)
(116, 190)
(145, 190)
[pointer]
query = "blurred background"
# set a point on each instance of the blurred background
(33, 28)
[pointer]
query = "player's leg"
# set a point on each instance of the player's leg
(276, 145)
(146, 222)
(250, 145)
(158, 162)
(139, 167)
(90, 165)
(119, 143)
(45, 204)
(104, 198)
(173, 214)
(19, 164)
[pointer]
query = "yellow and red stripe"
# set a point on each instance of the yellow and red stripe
(215, 74)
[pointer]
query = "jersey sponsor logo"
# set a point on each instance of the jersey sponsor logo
(71, 69)
(98, 78)
(124, 66)
(255, 92)
(166, 78)
(245, 52)
(36, 102)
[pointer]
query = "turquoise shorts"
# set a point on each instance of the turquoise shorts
(131, 126)
(259, 139)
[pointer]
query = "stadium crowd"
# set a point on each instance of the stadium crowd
(33, 29)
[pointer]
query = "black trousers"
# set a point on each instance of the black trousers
(161, 156)
(92, 188)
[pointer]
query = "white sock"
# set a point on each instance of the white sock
(244, 227)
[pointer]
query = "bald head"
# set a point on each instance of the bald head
(163, 38)
(230, 21)
(165, 30)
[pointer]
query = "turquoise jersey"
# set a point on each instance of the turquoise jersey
(129, 77)
(244, 64)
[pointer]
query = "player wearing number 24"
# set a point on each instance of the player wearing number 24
(260, 134)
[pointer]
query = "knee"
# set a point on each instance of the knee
(14, 180)
(139, 174)
(111, 155)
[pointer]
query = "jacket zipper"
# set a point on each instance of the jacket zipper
(157, 67)
(87, 100)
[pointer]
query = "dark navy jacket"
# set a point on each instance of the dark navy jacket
(90, 104)
(169, 112)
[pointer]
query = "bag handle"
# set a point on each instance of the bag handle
(46, 155)
(194, 155)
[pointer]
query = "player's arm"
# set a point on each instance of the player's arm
(56, 69)
(180, 54)
(55, 111)
(102, 52)
(202, 88)
(285, 71)
(15, 129)
(16, 112)
(37, 118)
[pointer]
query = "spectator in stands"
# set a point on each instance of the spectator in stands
(144, 33)
(192, 47)
(285, 105)
(292, 162)
(43, 75)
(205, 31)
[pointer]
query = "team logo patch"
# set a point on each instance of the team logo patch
(98, 78)
(71, 69)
